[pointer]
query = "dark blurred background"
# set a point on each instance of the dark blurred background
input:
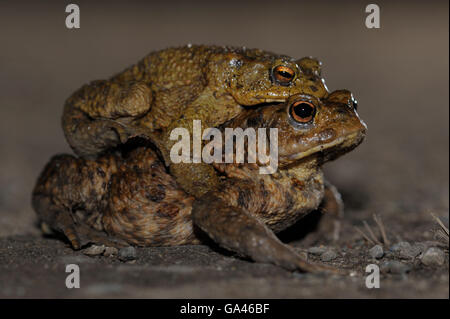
(399, 74)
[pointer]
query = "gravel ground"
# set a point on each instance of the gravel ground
(398, 73)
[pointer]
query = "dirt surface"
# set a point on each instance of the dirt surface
(398, 73)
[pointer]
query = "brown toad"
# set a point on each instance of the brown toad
(132, 199)
(170, 88)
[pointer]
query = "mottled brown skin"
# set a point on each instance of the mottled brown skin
(170, 88)
(132, 198)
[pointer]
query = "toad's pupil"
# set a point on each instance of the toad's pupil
(285, 74)
(303, 110)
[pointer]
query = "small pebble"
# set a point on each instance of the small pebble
(127, 253)
(376, 252)
(317, 250)
(433, 257)
(421, 247)
(110, 251)
(405, 250)
(329, 255)
(94, 250)
(400, 245)
(410, 253)
(395, 267)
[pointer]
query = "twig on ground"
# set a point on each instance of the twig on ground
(445, 229)
(370, 236)
(365, 236)
(380, 225)
(442, 233)
(371, 233)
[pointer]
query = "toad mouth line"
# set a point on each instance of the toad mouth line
(323, 147)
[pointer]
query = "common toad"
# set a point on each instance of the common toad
(132, 198)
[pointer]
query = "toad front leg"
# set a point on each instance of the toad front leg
(241, 232)
(98, 115)
(332, 207)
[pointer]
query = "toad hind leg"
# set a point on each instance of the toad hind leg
(68, 185)
(243, 233)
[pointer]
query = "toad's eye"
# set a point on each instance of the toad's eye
(283, 75)
(302, 111)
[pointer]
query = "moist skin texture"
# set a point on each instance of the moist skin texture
(131, 198)
(169, 88)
